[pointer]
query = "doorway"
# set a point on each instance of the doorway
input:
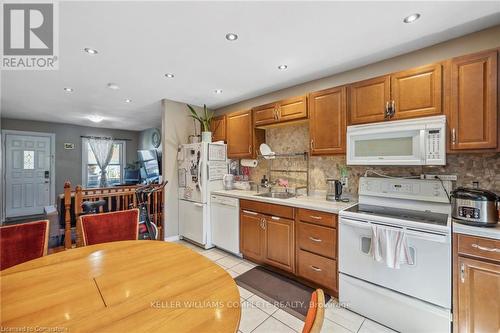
(29, 172)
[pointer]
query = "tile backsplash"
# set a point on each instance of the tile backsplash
(481, 167)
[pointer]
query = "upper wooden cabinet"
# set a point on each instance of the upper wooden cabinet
(473, 113)
(368, 100)
(327, 121)
(417, 92)
(218, 127)
(294, 108)
(408, 94)
(239, 134)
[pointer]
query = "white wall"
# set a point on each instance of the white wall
(176, 128)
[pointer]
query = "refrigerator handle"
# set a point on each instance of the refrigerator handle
(199, 173)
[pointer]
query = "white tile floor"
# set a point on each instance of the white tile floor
(260, 316)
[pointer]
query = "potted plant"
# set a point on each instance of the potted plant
(205, 122)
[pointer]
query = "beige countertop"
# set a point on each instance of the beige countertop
(314, 202)
(486, 232)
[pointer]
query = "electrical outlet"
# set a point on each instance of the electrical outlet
(452, 178)
(344, 181)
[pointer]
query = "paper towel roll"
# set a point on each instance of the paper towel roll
(249, 163)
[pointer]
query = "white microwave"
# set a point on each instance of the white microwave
(419, 141)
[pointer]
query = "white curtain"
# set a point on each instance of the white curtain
(103, 151)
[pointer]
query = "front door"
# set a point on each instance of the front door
(27, 174)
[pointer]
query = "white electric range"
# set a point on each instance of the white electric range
(413, 298)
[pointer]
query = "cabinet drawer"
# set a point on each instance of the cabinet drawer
(317, 269)
(321, 218)
(479, 247)
(317, 239)
(268, 209)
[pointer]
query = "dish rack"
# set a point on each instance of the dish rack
(271, 170)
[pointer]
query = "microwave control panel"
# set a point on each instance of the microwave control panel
(433, 144)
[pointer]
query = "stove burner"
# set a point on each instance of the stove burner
(404, 214)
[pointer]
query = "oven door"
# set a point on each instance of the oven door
(428, 278)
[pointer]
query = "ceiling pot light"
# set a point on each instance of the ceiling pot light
(128, 100)
(90, 51)
(169, 75)
(69, 90)
(113, 86)
(231, 36)
(95, 118)
(411, 18)
(218, 91)
(282, 67)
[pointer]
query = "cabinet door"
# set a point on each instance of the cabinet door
(252, 235)
(417, 92)
(327, 122)
(218, 128)
(239, 134)
(293, 108)
(265, 114)
(367, 100)
(279, 243)
(478, 296)
(473, 102)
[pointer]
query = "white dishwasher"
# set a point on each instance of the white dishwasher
(225, 218)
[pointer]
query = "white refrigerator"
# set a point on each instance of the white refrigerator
(201, 167)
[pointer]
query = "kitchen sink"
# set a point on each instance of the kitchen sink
(277, 195)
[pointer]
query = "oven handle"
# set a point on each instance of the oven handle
(430, 236)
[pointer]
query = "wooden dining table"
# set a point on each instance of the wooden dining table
(129, 286)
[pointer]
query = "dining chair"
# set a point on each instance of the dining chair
(23, 242)
(316, 312)
(109, 227)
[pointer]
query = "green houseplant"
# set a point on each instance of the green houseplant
(205, 120)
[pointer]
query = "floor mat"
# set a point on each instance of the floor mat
(285, 293)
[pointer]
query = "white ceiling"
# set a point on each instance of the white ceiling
(138, 42)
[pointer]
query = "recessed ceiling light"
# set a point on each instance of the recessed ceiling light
(95, 118)
(282, 67)
(218, 91)
(169, 75)
(411, 18)
(90, 51)
(113, 86)
(128, 100)
(231, 36)
(70, 90)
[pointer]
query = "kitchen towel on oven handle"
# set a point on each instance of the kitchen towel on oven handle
(389, 245)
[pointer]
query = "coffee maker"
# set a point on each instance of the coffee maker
(334, 189)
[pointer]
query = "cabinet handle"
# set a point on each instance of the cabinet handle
(314, 268)
(315, 217)
(312, 144)
(317, 240)
(462, 273)
(264, 224)
(483, 248)
(249, 212)
(453, 136)
(249, 148)
(275, 218)
(393, 108)
(386, 113)
(279, 112)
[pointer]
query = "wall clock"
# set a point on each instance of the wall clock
(156, 138)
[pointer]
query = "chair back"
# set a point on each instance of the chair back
(316, 313)
(23, 242)
(109, 227)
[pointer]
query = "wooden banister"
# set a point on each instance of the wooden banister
(67, 216)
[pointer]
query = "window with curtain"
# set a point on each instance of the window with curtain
(115, 170)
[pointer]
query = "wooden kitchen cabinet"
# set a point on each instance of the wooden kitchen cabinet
(327, 121)
(252, 235)
(289, 109)
(218, 127)
(243, 140)
(279, 243)
(476, 301)
(473, 98)
(368, 99)
(417, 92)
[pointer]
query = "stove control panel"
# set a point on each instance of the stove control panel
(414, 189)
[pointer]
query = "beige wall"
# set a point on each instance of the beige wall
(176, 127)
(482, 40)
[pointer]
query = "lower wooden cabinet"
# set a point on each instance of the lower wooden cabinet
(252, 235)
(279, 243)
(476, 305)
(318, 269)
